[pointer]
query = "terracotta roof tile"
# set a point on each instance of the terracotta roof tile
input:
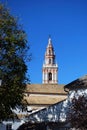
(77, 84)
(45, 88)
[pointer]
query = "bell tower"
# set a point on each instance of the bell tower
(50, 68)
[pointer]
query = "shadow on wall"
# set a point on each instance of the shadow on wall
(53, 114)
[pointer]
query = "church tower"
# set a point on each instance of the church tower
(50, 68)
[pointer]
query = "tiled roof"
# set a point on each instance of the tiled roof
(44, 100)
(77, 84)
(45, 88)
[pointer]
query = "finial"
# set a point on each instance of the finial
(49, 40)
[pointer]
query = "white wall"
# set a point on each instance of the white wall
(56, 112)
(15, 124)
(77, 93)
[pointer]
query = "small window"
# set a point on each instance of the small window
(49, 52)
(9, 126)
(50, 76)
(49, 61)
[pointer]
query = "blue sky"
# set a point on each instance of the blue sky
(66, 22)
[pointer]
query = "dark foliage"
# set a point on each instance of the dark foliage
(13, 46)
(33, 126)
(77, 114)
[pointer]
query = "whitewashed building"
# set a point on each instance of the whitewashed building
(55, 115)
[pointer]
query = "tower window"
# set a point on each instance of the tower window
(49, 52)
(49, 61)
(50, 76)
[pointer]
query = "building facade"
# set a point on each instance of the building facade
(40, 96)
(55, 116)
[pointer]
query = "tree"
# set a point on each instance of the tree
(13, 46)
(77, 113)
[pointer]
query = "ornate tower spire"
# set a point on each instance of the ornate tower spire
(50, 68)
